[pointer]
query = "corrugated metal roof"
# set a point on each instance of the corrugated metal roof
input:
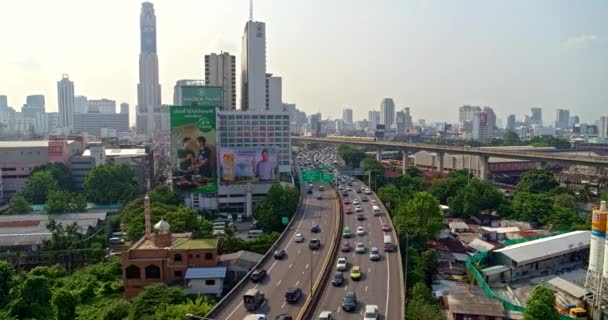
(495, 269)
(480, 245)
(547, 247)
(206, 273)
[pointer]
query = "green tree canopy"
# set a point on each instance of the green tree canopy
(449, 187)
(510, 138)
(145, 304)
(38, 187)
(280, 201)
(7, 274)
(546, 141)
(376, 170)
(59, 171)
(109, 183)
(62, 237)
(541, 304)
(421, 306)
(32, 298)
(60, 201)
(351, 156)
(390, 197)
(477, 196)
(163, 194)
(537, 181)
(199, 307)
(20, 205)
(420, 217)
(64, 304)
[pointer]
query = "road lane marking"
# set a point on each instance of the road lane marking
(306, 266)
(365, 288)
(283, 305)
(297, 283)
(388, 286)
(299, 251)
(279, 283)
(291, 265)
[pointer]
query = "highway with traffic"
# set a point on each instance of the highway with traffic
(298, 267)
(381, 283)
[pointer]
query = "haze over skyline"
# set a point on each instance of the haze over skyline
(432, 56)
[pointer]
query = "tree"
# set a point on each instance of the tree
(390, 197)
(280, 201)
(59, 171)
(585, 194)
(7, 274)
(163, 194)
(199, 307)
(413, 172)
(536, 181)
(376, 170)
(531, 207)
(421, 305)
(449, 187)
(107, 184)
(62, 237)
(64, 304)
(60, 201)
(351, 156)
(20, 205)
(477, 196)
(510, 138)
(145, 304)
(544, 141)
(604, 195)
(565, 200)
(32, 298)
(420, 217)
(541, 304)
(38, 186)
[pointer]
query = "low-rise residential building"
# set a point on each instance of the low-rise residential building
(467, 302)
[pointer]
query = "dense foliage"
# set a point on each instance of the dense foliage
(549, 141)
(281, 201)
(109, 183)
(541, 304)
(60, 173)
(60, 201)
(38, 187)
(20, 205)
(351, 156)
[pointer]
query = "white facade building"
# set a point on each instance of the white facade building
(274, 93)
(603, 127)
(373, 119)
(253, 67)
(347, 116)
(65, 97)
(220, 70)
(80, 104)
(101, 106)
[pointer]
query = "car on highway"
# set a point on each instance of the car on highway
(314, 244)
(255, 317)
(349, 302)
(360, 231)
(345, 246)
(319, 196)
(360, 248)
(386, 227)
(349, 188)
(326, 315)
(337, 279)
(348, 210)
(284, 316)
(252, 299)
(346, 201)
(258, 275)
(364, 199)
(309, 191)
(279, 254)
(341, 264)
(344, 193)
(340, 187)
(356, 202)
(346, 232)
(360, 216)
(321, 188)
(292, 295)
(368, 191)
(371, 312)
(310, 186)
(374, 202)
(358, 208)
(315, 228)
(355, 273)
(299, 237)
(359, 190)
(374, 254)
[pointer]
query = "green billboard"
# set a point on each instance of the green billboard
(193, 146)
(205, 96)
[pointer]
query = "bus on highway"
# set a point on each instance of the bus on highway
(253, 299)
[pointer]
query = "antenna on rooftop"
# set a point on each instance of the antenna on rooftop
(250, 10)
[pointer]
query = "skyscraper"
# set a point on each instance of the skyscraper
(80, 104)
(3, 102)
(537, 116)
(373, 119)
(603, 127)
(347, 115)
(465, 114)
(220, 70)
(253, 67)
(562, 118)
(101, 106)
(408, 118)
(34, 104)
(274, 93)
(148, 111)
(387, 112)
(124, 107)
(482, 129)
(400, 122)
(511, 123)
(65, 97)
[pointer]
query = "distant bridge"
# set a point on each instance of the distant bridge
(483, 153)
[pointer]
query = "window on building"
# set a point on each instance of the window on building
(152, 272)
(208, 256)
(132, 272)
(177, 257)
(177, 274)
(189, 256)
(210, 282)
(198, 255)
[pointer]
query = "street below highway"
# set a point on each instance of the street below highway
(380, 283)
(300, 265)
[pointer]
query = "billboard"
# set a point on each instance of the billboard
(248, 165)
(193, 149)
(206, 96)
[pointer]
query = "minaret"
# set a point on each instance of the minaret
(148, 90)
(147, 217)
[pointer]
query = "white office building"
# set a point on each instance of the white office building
(220, 70)
(253, 67)
(65, 97)
(101, 106)
(347, 115)
(603, 127)
(373, 119)
(274, 93)
(80, 104)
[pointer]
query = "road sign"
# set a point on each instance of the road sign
(325, 167)
(327, 177)
(284, 220)
(311, 175)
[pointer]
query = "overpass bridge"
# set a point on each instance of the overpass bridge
(483, 153)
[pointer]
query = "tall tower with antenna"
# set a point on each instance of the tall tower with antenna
(253, 65)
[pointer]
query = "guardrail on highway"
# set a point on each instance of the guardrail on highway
(308, 309)
(232, 293)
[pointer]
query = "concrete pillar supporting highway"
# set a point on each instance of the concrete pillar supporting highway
(541, 164)
(405, 157)
(484, 167)
(440, 161)
(379, 154)
(305, 145)
(249, 203)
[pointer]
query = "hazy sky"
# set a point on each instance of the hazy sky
(432, 56)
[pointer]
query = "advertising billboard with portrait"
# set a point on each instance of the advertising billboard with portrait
(193, 148)
(248, 165)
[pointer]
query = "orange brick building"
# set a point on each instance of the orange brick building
(164, 257)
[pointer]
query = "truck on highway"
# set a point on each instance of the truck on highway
(253, 299)
(388, 243)
(376, 210)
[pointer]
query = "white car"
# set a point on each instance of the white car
(340, 187)
(371, 312)
(356, 202)
(255, 317)
(326, 315)
(358, 208)
(360, 231)
(368, 191)
(360, 248)
(299, 237)
(349, 189)
(342, 264)
(374, 202)
(374, 254)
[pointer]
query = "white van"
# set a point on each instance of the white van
(388, 243)
(376, 210)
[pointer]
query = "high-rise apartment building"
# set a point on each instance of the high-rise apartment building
(3, 102)
(347, 115)
(148, 112)
(400, 122)
(253, 67)
(603, 127)
(220, 70)
(537, 116)
(408, 118)
(124, 107)
(80, 104)
(387, 112)
(34, 104)
(574, 120)
(562, 118)
(511, 123)
(101, 106)
(373, 119)
(65, 97)
(314, 124)
(482, 129)
(465, 114)
(274, 93)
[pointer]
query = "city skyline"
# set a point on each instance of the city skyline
(556, 66)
